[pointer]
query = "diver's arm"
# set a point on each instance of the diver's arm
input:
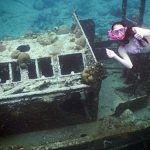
(141, 31)
(125, 60)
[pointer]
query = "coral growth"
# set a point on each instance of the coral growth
(2, 48)
(78, 47)
(81, 41)
(93, 74)
(56, 49)
(47, 38)
(30, 35)
(63, 30)
(76, 30)
(53, 36)
(72, 40)
(23, 59)
(15, 54)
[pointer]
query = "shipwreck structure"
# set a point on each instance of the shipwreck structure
(52, 65)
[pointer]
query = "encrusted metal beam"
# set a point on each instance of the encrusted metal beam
(142, 10)
(124, 9)
(87, 42)
(7, 98)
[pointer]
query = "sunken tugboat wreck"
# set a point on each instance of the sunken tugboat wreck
(53, 80)
(49, 67)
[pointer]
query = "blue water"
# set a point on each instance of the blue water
(18, 17)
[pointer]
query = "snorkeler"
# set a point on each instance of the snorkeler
(132, 40)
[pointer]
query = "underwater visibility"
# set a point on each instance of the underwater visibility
(74, 75)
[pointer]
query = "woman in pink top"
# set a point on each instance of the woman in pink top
(132, 40)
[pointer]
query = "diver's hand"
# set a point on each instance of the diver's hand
(138, 36)
(110, 53)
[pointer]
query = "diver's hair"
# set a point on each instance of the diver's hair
(128, 34)
(118, 23)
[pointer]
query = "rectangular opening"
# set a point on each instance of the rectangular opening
(32, 70)
(45, 67)
(4, 72)
(15, 72)
(71, 62)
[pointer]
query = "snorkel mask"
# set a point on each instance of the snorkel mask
(117, 34)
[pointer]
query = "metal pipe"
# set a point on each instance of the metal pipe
(142, 10)
(124, 9)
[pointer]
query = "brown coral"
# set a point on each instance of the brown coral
(15, 54)
(93, 74)
(23, 59)
(86, 76)
(23, 66)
